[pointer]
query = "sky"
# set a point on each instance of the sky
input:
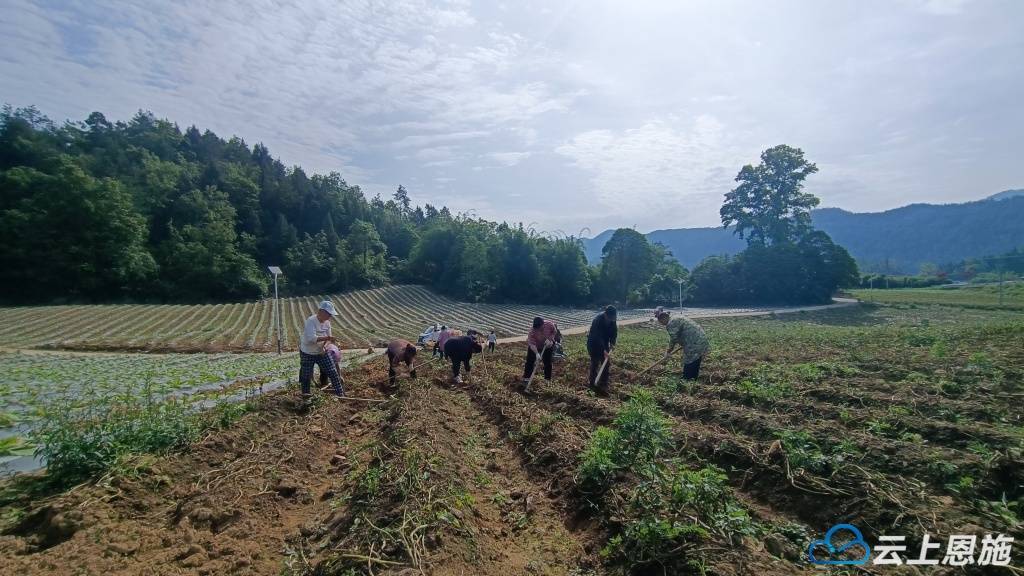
(569, 117)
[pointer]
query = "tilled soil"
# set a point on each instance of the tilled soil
(480, 479)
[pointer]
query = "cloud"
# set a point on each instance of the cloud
(661, 170)
(941, 7)
(594, 117)
(508, 158)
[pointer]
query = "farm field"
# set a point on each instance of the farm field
(367, 318)
(986, 296)
(38, 386)
(900, 419)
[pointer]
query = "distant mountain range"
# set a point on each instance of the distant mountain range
(896, 241)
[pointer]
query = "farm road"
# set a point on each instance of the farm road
(689, 312)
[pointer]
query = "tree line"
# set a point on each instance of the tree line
(139, 210)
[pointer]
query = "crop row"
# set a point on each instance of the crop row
(366, 318)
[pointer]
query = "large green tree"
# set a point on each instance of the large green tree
(628, 261)
(64, 233)
(769, 205)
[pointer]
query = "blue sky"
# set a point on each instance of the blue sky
(565, 115)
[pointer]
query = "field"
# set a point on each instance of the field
(986, 296)
(366, 318)
(901, 419)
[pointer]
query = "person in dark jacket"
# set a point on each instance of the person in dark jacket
(600, 342)
(460, 349)
(400, 351)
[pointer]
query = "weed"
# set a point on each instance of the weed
(599, 464)
(940, 349)
(642, 428)
(804, 453)
(767, 384)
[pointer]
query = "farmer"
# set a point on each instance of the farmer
(438, 344)
(686, 333)
(316, 332)
(540, 342)
(460, 349)
(600, 342)
(334, 353)
(400, 351)
(492, 339)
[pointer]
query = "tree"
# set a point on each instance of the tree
(564, 264)
(628, 261)
(367, 253)
(142, 209)
(402, 199)
(67, 234)
(201, 257)
(769, 206)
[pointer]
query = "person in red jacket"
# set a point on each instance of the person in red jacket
(540, 342)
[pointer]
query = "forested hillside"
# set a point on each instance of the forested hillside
(141, 210)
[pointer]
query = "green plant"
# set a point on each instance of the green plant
(642, 428)
(598, 463)
(767, 384)
(14, 446)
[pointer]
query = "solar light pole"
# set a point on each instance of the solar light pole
(277, 305)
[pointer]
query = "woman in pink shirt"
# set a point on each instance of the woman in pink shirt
(541, 341)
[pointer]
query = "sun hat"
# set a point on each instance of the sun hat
(328, 307)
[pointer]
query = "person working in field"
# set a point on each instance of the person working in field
(334, 353)
(600, 341)
(690, 336)
(400, 351)
(460, 350)
(316, 333)
(492, 340)
(439, 337)
(540, 342)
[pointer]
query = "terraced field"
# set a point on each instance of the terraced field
(367, 318)
(898, 419)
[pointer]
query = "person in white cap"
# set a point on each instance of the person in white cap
(315, 334)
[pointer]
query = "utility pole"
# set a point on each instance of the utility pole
(680, 294)
(1000, 286)
(276, 271)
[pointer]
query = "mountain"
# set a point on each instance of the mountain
(895, 241)
(1007, 194)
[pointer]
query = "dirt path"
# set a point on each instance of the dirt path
(709, 313)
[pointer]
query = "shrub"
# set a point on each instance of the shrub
(642, 429)
(83, 440)
(674, 506)
(598, 464)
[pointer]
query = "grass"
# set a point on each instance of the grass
(985, 296)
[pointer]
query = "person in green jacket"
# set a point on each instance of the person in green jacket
(690, 336)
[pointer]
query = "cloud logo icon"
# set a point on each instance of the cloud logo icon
(833, 551)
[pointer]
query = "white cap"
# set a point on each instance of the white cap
(328, 307)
